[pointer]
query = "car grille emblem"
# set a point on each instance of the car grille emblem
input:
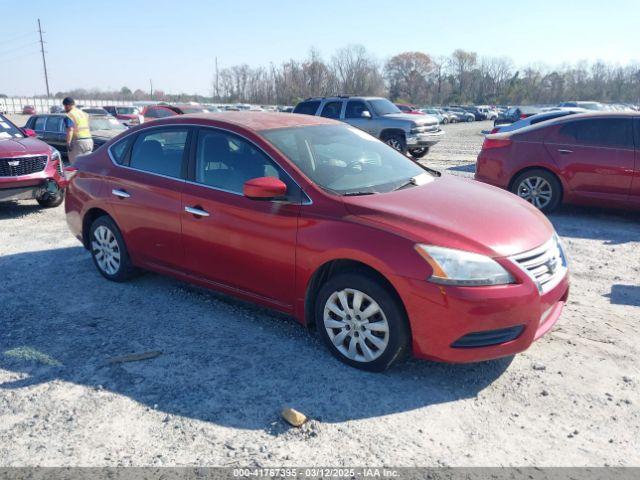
(552, 265)
(15, 163)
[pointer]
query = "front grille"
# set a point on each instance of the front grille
(14, 167)
(546, 265)
(488, 337)
(426, 129)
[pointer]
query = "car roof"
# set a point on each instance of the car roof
(256, 121)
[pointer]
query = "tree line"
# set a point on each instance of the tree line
(463, 77)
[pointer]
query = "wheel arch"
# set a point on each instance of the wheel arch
(334, 267)
(388, 132)
(89, 217)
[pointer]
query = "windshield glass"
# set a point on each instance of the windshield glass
(105, 123)
(8, 129)
(382, 106)
(344, 160)
(127, 111)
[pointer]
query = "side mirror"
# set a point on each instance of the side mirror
(366, 114)
(29, 133)
(264, 188)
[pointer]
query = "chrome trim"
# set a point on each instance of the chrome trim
(196, 211)
(532, 262)
(120, 193)
(305, 201)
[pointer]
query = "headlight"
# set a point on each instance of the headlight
(55, 156)
(459, 267)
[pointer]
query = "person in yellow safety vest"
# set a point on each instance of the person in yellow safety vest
(79, 141)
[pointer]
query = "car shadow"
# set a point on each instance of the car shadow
(221, 360)
(613, 226)
(624, 295)
(469, 168)
(17, 209)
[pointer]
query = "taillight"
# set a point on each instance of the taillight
(70, 172)
(523, 115)
(490, 143)
(495, 130)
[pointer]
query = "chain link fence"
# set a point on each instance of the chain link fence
(42, 105)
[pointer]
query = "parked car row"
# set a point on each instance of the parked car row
(406, 132)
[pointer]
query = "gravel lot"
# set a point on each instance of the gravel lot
(213, 396)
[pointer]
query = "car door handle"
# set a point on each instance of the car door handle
(198, 212)
(564, 152)
(120, 193)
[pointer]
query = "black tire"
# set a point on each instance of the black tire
(390, 309)
(445, 121)
(51, 200)
(125, 269)
(396, 141)
(519, 187)
(419, 152)
(469, 119)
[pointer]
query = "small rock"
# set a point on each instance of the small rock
(293, 417)
(539, 366)
(544, 393)
(626, 379)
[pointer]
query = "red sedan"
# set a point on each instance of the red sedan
(405, 108)
(29, 168)
(317, 219)
(591, 159)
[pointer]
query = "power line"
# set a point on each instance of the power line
(44, 61)
(15, 49)
(13, 39)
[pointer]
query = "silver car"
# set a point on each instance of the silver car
(379, 117)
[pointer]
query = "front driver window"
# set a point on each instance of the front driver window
(226, 161)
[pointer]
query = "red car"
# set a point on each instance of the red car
(29, 168)
(317, 219)
(591, 159)
(128, 115)
(153, 112)
(404, 108)
(28, 110)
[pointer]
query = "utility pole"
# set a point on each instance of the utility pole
(217, 91)
(44, 61)
(151, 86)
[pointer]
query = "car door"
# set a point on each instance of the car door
(39, 124)
(145, 188)
(229, 239)
(353, 116)
(596, 156)
(55, 133)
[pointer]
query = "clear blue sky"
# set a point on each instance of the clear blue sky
(108, 44)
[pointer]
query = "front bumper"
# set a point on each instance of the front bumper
(33, 185)
(426, 139)
(445, 321)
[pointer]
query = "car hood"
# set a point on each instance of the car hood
(105, 134)
(417, 119)
(460, 213)
(15, 147)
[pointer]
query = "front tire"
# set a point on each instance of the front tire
(361, 322)
(419, 152)
(397, 142)
(51, 200)
(109, 251)
(540, 188)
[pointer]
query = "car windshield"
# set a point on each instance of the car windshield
(105, 123)
(8, 129)
(345, 160)
(591, 105)
(382, 106)
(127, 111)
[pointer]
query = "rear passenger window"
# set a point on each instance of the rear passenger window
(38, 125)
(331, 110)
(54, 124)
(119, 150)
(160, 152)
(603, 132)
(307, 108)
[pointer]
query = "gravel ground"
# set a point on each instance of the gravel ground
(213, 396)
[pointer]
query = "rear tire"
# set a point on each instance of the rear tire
(397, 141)
(361, 322)
(108, 250)
(539, 187)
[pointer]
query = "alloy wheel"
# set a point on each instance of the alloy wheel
(394, 143)
(106, 250)
(535, 190)
(356, 325)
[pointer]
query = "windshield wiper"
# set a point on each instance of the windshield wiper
(409, 183)
(354, 194)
